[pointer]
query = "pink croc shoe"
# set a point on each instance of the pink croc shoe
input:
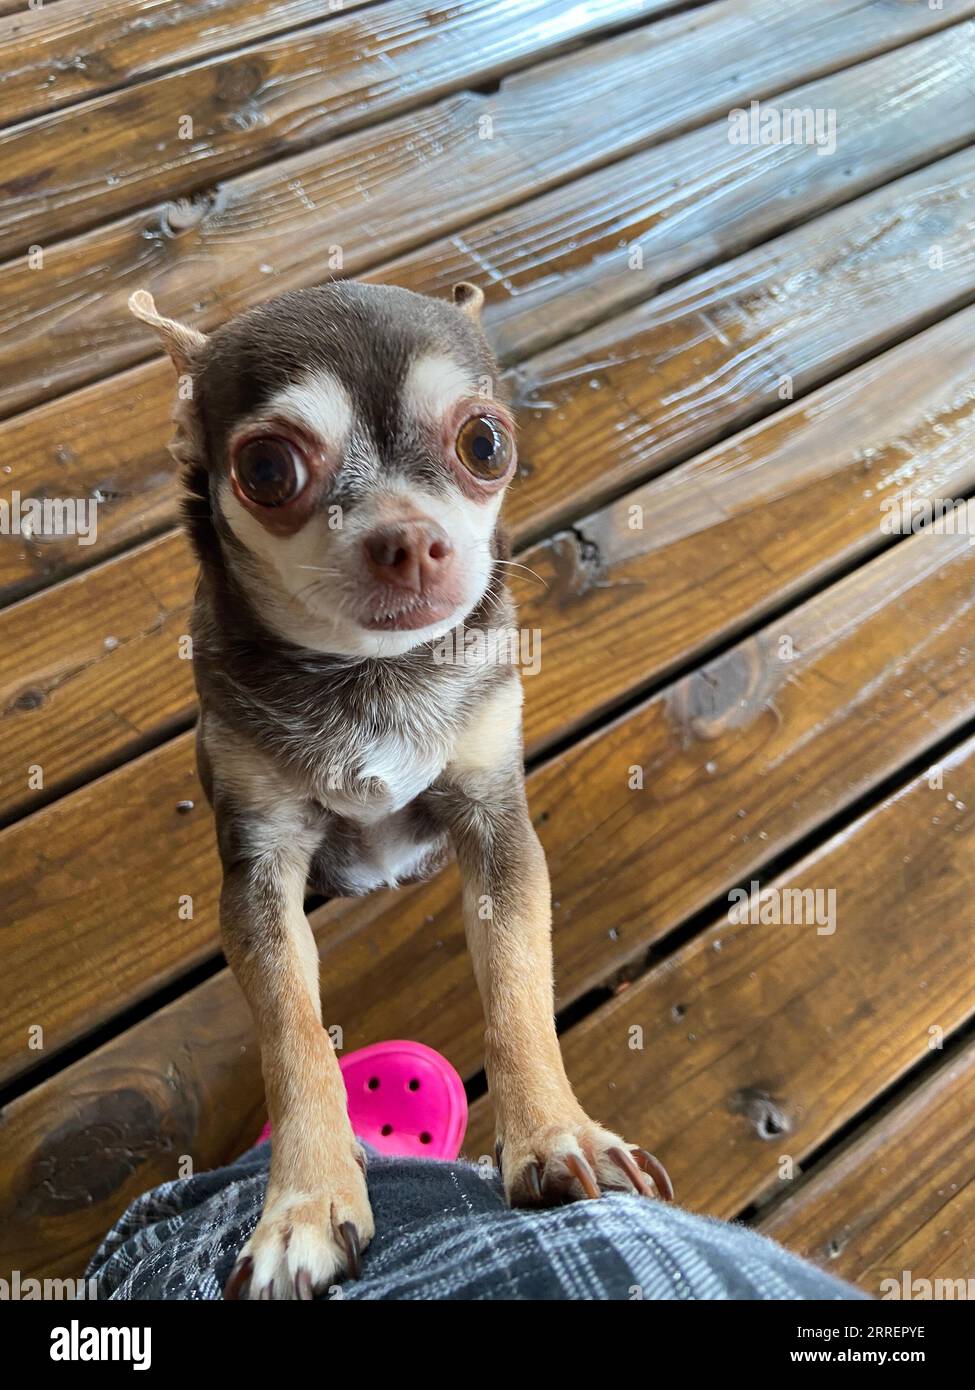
(404, 1098)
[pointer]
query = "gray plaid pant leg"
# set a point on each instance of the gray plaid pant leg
(443, 1231)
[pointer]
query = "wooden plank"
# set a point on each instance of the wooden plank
(15, 6)
(106, 442)
(274, 98)
(898, 1198)
(99, 661)
(77, 874)
(804, 302)
(397, 181)
(550, 268)
(98, 669)
(725, 537)
(740, 735)
(671, 376)
(782, 1022)
(51, 56)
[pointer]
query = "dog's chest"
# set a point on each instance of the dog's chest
(375, 837)
(376, 776)
(380, 746)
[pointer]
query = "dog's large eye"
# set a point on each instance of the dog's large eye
(270, 471)
(485, 447)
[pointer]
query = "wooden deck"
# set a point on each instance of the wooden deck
(728, 359)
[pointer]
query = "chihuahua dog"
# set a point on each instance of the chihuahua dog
(345, 452)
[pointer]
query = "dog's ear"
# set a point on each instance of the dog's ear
(469, 299)
(182, 342)
(187, 444)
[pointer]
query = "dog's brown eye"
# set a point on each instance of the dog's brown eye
(270, 471)
(485, 447)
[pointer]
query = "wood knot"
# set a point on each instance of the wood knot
(184, 214)
(727, 693)
(765, 1115)
(28, 699)
(577, 562)
(94, 1153)
(240, 81)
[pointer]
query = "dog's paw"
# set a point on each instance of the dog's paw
(304, 1243)
(566, 1162)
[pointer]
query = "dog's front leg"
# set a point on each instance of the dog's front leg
(316, 1213)
(548, 1148)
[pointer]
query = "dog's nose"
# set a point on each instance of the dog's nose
(410, 554)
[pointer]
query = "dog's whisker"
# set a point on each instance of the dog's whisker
(514, 564)
(485, 549)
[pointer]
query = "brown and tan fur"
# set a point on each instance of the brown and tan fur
(337, 764)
